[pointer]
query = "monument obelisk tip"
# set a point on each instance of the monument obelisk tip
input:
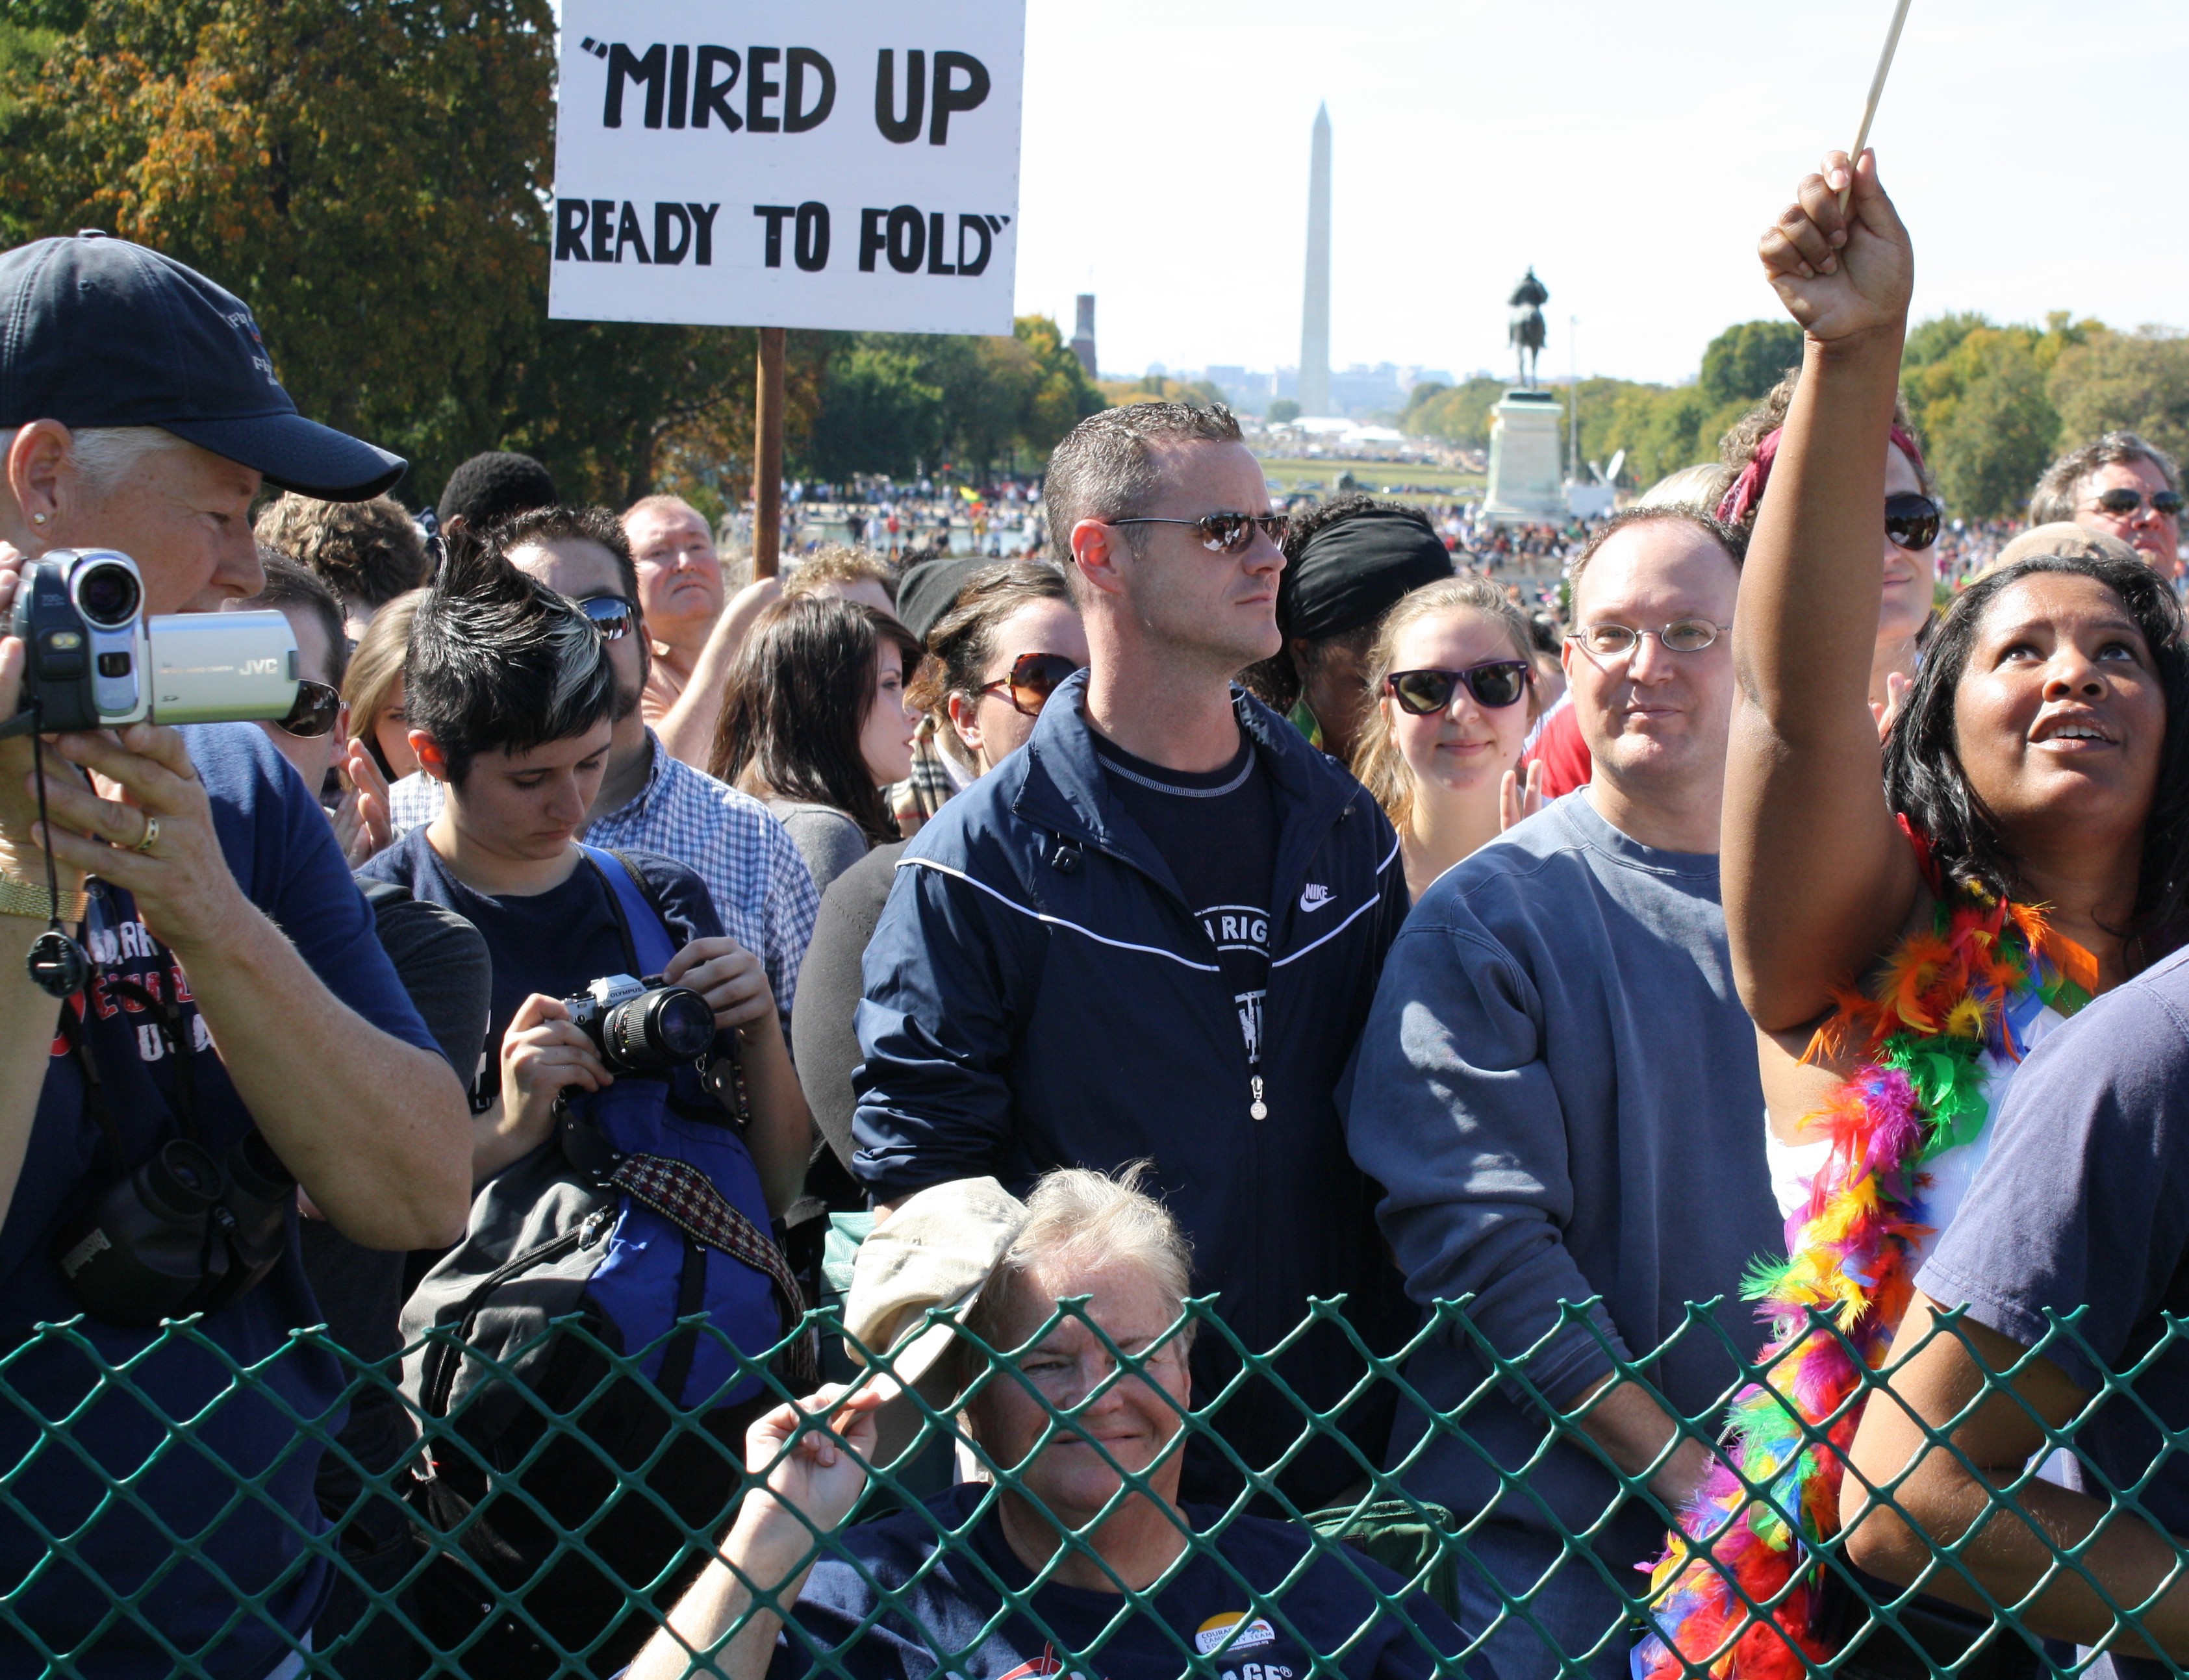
(1315, 313)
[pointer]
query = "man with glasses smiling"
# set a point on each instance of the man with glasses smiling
(649, 800)
(1152, 933)
(1557, 1079)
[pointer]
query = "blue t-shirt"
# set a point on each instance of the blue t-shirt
(556, 942)
(2084, 1203)
(282, 852)
(942, 1603)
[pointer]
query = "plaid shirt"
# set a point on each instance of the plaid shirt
(759, 883)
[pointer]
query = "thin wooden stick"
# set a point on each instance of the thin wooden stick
(1876, 89)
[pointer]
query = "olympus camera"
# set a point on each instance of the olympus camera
(643, 1026)
(96, 662)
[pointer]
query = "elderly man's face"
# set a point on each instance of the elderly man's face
(680, 578)
(1135, 1419)
(184, 515)
(2156, 536)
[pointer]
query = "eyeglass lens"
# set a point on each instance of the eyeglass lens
(314, 712)
(1611, 641)
(1234, 533)
(610, 613)
(1911, 521)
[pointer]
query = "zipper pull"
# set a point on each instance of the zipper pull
(1258, 1108)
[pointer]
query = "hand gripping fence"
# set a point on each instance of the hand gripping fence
(67, 1489)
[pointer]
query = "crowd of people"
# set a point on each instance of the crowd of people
(1223, 904)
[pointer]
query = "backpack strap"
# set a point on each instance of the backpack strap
(652, 944)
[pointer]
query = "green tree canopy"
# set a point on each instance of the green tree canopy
(2135, 382)
(1744, 362)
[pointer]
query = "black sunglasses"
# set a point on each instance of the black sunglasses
(1911, 521)
(1225, 533)
(317, 710)
(1034, 677)
(610, 613)
(2124, 503)
(1495, 683)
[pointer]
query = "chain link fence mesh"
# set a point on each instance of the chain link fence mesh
(561, 1522)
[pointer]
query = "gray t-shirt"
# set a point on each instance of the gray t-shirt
(2084, 1203)
(1558, 1086)
(829, 841)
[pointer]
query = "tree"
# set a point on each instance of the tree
(371, 179)
(1744, 362)
(1457, 414)
(1284, 411)
(1977, 394)
(2136, 381)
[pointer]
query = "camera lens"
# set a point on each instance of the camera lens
(667, 1025)
(107, 595)
(181, 1181)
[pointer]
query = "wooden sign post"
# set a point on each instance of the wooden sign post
(767, 456)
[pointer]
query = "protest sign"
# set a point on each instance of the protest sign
(852, 165)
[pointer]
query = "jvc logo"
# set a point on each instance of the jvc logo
(258, 667)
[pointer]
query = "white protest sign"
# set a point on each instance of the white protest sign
(852, 165)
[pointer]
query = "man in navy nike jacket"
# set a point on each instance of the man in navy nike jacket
(1154, 933)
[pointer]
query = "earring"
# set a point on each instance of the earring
(37, 518)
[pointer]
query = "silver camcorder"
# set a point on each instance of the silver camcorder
(96, 662)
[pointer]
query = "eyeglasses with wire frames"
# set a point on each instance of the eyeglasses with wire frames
(1494, 684)
(1223, 533)
(611, 615)
(2123, 503)
(1034, 677)
(1617, 642)
(318, 709)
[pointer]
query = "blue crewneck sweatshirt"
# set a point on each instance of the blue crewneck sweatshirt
(1558, 1086)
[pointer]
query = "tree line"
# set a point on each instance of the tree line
(374, 181)
(1992, 405)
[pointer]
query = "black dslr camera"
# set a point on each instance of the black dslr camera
(183, 1233)
(643, 1026)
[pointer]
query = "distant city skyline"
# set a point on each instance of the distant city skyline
(1612, 146)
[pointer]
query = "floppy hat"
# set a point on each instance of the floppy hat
(97, 332)
(937, 1251)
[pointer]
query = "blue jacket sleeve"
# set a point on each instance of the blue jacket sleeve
(1452, 1107)
(942, 975)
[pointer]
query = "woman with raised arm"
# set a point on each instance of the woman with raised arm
(1907, 918)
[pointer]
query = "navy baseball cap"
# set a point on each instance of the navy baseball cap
(97, 332)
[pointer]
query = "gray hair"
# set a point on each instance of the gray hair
(1081, 1218)
(105, 455)
(1105, 467)
(2054, 499)
(1702, 486)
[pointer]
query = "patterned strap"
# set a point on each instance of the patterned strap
(683, 1195)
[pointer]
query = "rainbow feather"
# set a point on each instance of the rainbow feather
(1939, 1001)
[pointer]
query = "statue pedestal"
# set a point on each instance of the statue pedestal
(1527, 459)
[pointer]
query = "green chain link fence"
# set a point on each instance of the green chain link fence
(536, 1528)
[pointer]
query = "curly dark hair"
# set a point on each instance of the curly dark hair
(1923, 780)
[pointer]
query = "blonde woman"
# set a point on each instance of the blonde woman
(1452, 669)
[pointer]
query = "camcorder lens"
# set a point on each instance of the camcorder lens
(108, 595)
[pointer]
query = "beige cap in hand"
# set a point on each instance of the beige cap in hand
(938, 1250)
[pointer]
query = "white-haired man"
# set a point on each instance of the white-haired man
(140, 412)
(1079, 1233)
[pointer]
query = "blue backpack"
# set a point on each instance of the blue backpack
(647, 1209)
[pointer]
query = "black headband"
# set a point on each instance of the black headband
(1355, 569)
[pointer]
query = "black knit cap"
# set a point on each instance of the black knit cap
(1355, 569)
(493, 486)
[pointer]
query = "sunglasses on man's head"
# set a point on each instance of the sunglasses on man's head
(2126, 504)
(1911, 521)
(1034, 677)
(317, 710)
(1225, 533)
(610, 613)
(1495, 683)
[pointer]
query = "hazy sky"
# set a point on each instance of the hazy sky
(1631, 151)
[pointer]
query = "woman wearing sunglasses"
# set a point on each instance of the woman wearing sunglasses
(1453, 674)
(1910, 527)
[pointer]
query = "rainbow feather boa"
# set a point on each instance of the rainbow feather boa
(1942, 1000)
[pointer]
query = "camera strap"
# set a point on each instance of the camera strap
(94, 1094)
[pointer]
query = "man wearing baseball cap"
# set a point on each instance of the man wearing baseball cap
(235, 983)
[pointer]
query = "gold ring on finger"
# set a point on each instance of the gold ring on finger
(151, 834)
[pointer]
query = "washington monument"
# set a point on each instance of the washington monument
(1315, 315)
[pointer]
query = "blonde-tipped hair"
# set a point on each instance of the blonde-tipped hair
(835, 563)
(1079, 1220)
(1376, 762)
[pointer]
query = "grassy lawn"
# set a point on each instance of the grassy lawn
(1421, 479)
